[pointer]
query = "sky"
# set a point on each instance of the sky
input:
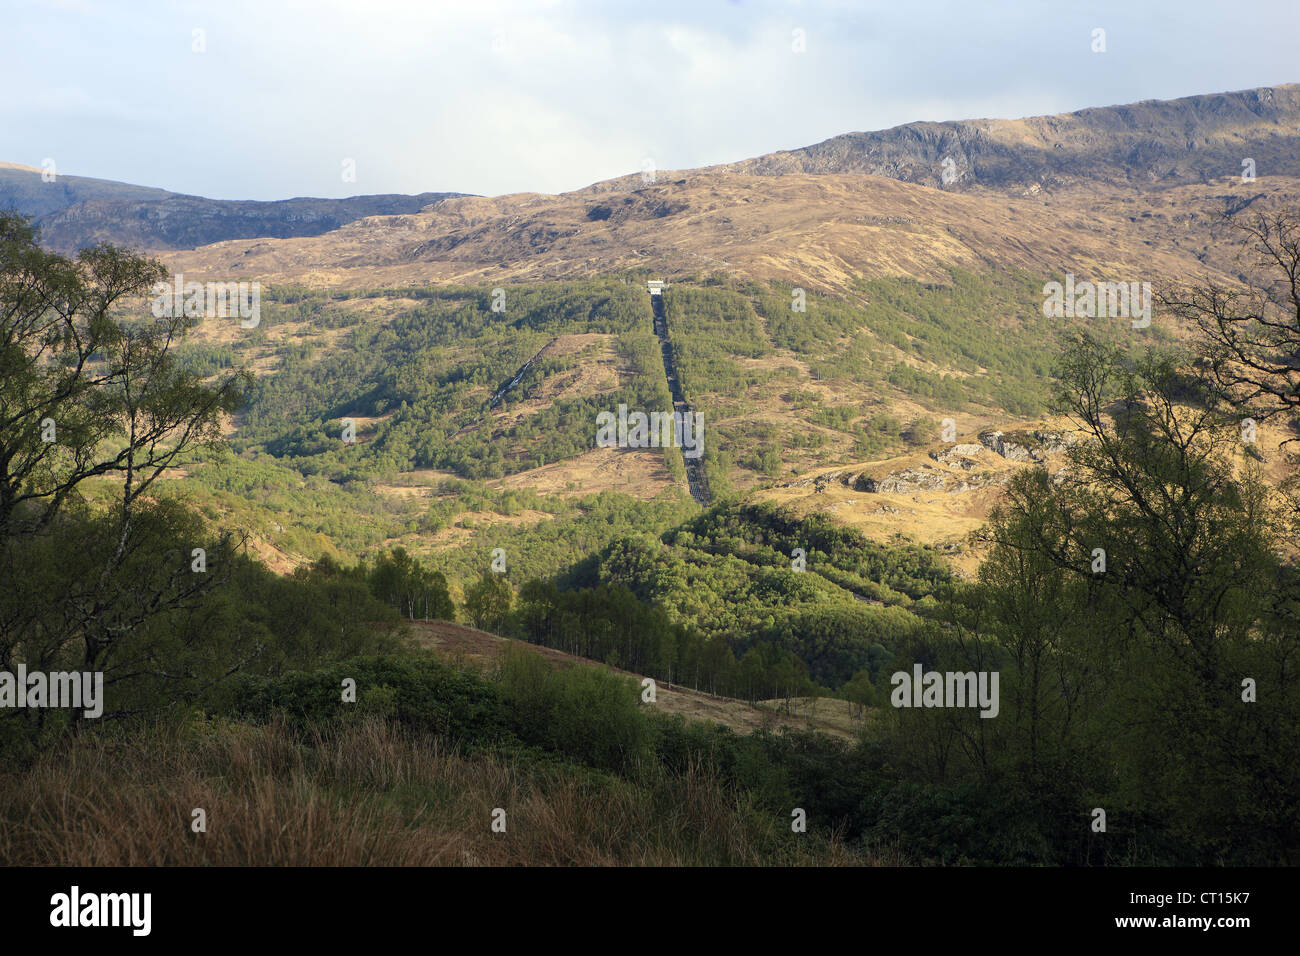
(270, 99)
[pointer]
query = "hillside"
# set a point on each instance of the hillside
(75, 211)
(819, 232)
(1120, 189)
(1140, 189)
(446, 456)
(474, 424)
(943, 575)
(461, 644)
(1154, 143)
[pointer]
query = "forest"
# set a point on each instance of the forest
(1140, 608)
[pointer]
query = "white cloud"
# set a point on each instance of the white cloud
(571, 92)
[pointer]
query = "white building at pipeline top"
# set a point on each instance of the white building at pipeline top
(656, 286)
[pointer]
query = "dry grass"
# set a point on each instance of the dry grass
(947, 517)
(468, 646)
(364, 793)
(829, 715)
(816, 231)
(639, 472)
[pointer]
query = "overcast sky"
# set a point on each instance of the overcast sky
(495, 97)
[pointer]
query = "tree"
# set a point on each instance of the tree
(401, 580)
(487, 601)
(1133, 593)
(861, 694)
(84, 391)
(919, 431)
(1250, 332)
(89, 391)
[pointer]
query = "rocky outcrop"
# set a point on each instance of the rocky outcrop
(1053, 443)
(825, 480)
(1155, 142)
(1026, 446)
(903, 482)
(959, 461)
(962, 455)
(1006, 447)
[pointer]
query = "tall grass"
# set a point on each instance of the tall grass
(366, 792)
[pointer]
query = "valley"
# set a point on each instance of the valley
(1010, 401)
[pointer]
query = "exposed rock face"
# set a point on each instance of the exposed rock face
(824, 480)
(1154, 142)
(818, 482)
(902, 482)
(982, 480)
(1013, 446)
(1053, 443)
(961, 455)
(1026, 446)
(1007, 448)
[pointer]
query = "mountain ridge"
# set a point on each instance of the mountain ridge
(1137, 188)
(1198, 140)
(1013, 153)
(75, 211)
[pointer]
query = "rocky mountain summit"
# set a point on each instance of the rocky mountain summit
(1194, 139)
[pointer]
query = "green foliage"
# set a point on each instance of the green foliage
(487, 601)
(420, 693)
(1122, 682)
(717, 604)
(580, 528)
(412, 589)
(430, 373)
(709, 329)
(839, 641)
(586, 713)
(94, 400)
(1120, 687)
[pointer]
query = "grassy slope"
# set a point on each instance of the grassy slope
(458, 643)
(362, 794)
(366, 791)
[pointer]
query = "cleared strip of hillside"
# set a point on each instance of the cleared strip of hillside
(456, 642)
